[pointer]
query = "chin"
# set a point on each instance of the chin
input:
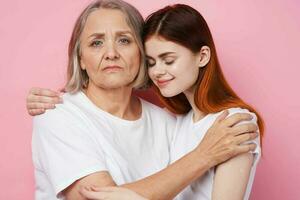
(115, 84)
(169, 94)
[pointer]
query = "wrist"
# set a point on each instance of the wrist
(204, 161)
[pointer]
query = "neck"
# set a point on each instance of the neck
(118, 102)
(190, 95)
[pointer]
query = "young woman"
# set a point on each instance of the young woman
(186, 73)
(102, 135)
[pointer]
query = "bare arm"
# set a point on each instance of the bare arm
(230, 183)
(162, 185)
(100, 179)
(110, 193)
(231, 178)
(216, 147)
(221, 142)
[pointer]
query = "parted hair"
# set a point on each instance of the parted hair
(77, 78)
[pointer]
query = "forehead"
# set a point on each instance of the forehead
(103, 20)
(156, 45)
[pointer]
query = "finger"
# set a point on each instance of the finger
(93, 195)
(245, 148)
(44, 92)
(244, 128)
(34, 112)
(40, 106)
(236, 118)
(44, 99)
(245, 137)
(105, 189)
(222, 116)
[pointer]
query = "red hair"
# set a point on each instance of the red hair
(185, 26)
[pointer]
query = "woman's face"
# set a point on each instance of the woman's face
(172, 68)
(109, 52)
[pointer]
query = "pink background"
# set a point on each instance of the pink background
(258, 44)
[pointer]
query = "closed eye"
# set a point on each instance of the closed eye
(169, 62)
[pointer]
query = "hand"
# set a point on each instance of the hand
(225, 139)
(39, 100)
(110, 193)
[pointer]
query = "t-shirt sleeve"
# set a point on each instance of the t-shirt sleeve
(64, 150)
(257, 151)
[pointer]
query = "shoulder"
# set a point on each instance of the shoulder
(155, 110)
(253, 120)
(211, 117)
(242, 110)
(66, 117)
(234, 110)
(62, 111)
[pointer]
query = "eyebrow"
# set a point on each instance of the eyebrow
(100, 35)
(162, 55)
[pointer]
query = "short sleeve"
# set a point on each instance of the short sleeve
(257, 151)
(64, 150)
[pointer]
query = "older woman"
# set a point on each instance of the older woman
(102, 135)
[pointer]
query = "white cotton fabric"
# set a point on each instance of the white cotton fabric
(77, 139)
(186, 138)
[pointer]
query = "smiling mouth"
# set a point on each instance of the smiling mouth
(114, 68)
(162, 83)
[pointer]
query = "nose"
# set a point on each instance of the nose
(158, 71)
(111, 52)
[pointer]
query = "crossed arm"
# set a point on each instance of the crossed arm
(162, 185)
(221, 142)
(230, 183)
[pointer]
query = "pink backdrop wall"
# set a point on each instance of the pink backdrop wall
(258, 44)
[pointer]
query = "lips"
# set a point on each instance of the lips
(112, 68)
(163, 82)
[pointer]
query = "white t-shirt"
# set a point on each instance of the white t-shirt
(187, 136)
(77, 139)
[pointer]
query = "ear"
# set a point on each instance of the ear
(82, 65)
(204, 56)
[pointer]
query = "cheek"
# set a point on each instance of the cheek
(186, 75)
(131, 54)
(132, 60)
(189, 78)
(150, 73)
(90, 60)
(136, 59)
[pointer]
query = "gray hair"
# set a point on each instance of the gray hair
(77, 78)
